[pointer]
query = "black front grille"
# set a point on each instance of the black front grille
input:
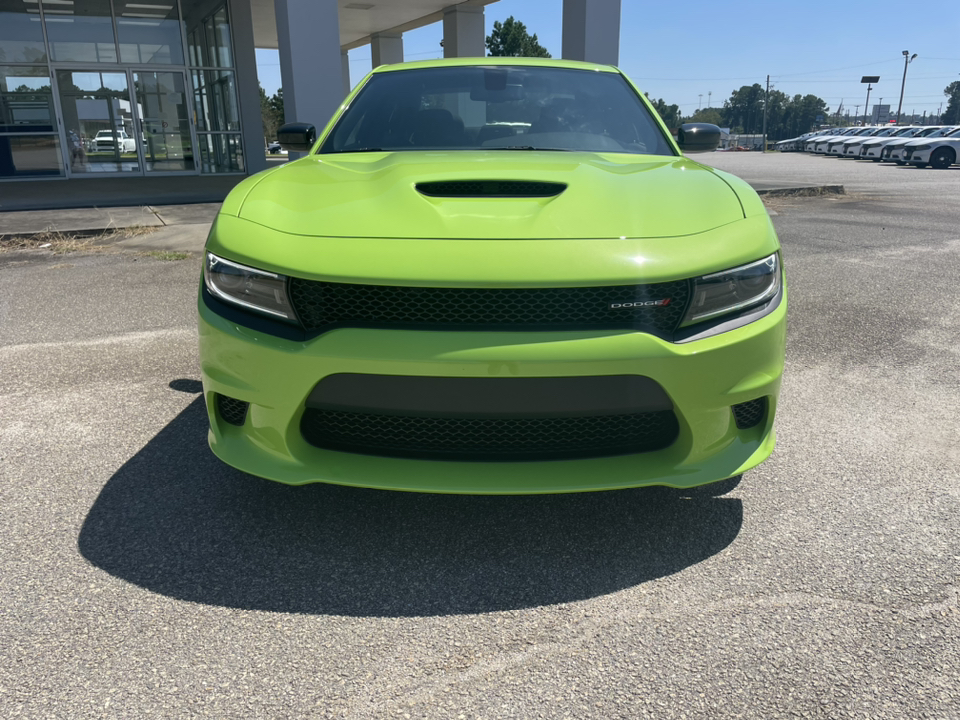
(489, 439)
(231, 410)
(750, 414)
(325, 305)
(490, 188)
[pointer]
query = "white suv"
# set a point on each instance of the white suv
(105, 140)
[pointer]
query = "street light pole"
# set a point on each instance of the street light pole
(867, 80)
(907, 59)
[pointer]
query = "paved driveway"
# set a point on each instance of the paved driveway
(140, 577)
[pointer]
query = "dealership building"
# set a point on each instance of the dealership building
(166, 88)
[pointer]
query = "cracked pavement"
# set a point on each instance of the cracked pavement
(141, 577)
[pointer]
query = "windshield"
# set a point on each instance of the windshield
(497, 108)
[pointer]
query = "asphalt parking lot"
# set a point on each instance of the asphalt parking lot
(141, 577)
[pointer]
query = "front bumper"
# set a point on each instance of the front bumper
(703, 378)
(918, 157)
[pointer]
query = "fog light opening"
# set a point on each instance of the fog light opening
(231, 410)
(751, 413)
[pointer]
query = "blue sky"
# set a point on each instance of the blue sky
(816, 47)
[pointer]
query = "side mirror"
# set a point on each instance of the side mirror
(698, 137)
(297, 137)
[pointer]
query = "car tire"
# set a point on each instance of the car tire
(942, 158)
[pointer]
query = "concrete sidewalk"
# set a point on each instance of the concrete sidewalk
(177, 227)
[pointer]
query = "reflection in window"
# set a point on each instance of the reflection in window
(149, 32)
(98, 119)
(209, 40)
(221, 153)
(29, 155)
(215, 100)
(21, 37)
(26, 100)
(80, 31)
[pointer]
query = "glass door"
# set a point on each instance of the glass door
(163, 121)
(125, 121)
(98, 122)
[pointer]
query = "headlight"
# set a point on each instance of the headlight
(258, 290)
(732, 290)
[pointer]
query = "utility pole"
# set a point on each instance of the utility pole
(766, 99)
(856, 114)
(906, 61)
(699, 102)
(709, 101)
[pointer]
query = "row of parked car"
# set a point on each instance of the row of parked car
(935, 145)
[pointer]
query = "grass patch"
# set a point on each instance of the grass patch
(167, 255)
(61, 243)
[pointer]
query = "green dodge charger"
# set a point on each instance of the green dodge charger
(493, 275)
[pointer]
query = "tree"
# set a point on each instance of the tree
(801, 115)
(708, 115)
(269, 117)
(511, 39)
(743, 112)
(276, 102)
(669, 113)
(952, 114)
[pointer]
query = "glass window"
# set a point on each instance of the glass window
(498, 107)
(98, 119)
(80, 30)
(26, 100)
(208, 35)
(29, 156)
(149, 32)
(165, 107)
(215, 100)
(220, 153)
(21, 37)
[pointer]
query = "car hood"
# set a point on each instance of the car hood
(375, 195)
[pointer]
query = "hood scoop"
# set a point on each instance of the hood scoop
(490, 189)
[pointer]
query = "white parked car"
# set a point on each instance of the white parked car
(106, 140)
(872, 149)
(818, 145)
(939, 153)
(895, 150)
(837, 146)
(854, 147)
(796, 144)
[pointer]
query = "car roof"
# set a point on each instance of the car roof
(488, 61)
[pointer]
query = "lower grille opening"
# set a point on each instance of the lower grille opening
(750, 414)
(489, 438)
(231, 410)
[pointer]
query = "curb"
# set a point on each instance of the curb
(810, 191)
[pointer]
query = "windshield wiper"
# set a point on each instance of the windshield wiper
(526, 147)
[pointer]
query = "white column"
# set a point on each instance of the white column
(248, 86)
(345, 69)
(386, 48)
(311, 67)
(463, 32)
(591, 31)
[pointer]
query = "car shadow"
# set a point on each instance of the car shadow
(177, 521)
